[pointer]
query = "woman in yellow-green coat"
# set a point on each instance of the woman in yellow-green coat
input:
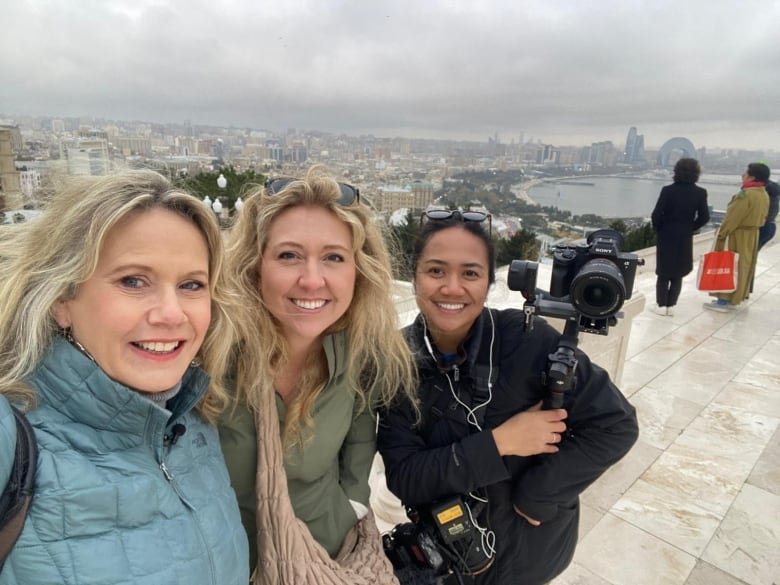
(745, 214)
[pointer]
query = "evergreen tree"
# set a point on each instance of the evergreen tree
(640, 238)
(400, 241)
(523, 245)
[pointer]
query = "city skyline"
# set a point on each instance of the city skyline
(567, 74)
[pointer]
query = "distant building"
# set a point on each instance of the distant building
(600, 154)
(391, 198)
(674, 149)
(89, 132)
(10, 182)
(417, 195)
(30, 180)
(635, 147)
(549, 155)
(133, 145)
(422, 192)
(86, 156)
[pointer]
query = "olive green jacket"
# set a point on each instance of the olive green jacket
(331, 469)
(745, 214)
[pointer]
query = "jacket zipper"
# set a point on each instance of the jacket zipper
(170, 477)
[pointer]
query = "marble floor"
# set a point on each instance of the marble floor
(697, 500)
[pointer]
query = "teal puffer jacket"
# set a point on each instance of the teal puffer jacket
(117, 502)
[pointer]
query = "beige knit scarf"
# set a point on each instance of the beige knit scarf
(287, 552)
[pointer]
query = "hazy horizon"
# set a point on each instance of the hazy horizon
(568, 73)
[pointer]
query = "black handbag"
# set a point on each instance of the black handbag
(17, 495)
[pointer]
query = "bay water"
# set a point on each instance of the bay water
(623, 196)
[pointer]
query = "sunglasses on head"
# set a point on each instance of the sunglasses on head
(349, 193)
(464, 216)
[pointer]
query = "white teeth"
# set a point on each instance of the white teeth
(451, 306)
(305, 304)
(158, 346)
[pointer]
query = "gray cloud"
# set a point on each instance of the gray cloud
(568, 71)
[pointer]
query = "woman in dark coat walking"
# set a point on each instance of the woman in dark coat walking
(680, 211)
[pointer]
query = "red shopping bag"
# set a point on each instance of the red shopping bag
(718, 272)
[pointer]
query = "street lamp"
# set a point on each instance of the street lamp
(239, 204)
(207, 201)
(219, 209)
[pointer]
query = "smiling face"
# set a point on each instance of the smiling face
(451, 284)
(145, 311)
(307, 272)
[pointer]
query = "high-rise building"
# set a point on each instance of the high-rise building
(602, 154)
(635, 147)
(10, 185)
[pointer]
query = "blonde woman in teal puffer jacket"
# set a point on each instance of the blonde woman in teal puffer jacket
(108, 302)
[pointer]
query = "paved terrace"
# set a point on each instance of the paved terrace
(697, 500)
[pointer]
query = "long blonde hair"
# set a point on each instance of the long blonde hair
(45, 260)
(379, 364)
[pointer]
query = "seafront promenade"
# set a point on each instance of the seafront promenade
(521, 191)
(697, 500)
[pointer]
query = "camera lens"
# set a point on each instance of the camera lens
(598, 289)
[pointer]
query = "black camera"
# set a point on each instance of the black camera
(441, 540)
(589, 282)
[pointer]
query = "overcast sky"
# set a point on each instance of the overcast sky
(565, 71)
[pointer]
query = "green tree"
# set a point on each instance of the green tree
(634, 238)
(640, 238)
(205, 183)
(523, 245)
(619, 226)
(401, 240)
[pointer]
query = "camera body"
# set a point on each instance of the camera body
(442, 539)
(408, 545)
(589, 282)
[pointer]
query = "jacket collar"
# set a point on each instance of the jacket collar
(467, 351)
(78, 389)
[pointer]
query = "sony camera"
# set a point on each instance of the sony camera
(441, 540)
(589, 281)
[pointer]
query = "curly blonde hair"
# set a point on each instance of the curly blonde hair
(379, 364)
(45, 260)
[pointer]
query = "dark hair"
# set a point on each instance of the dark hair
(687, 170)
(759, 171)
(431, 227)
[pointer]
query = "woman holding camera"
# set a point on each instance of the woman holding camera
(483, 449)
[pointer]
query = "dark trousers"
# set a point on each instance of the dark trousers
(667, 291)
(765, 233)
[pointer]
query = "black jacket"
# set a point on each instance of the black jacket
(773, 190)
(681, 209)
(443, 455)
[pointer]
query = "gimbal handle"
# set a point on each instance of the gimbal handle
(561, 366)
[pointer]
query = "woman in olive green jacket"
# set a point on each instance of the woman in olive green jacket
(320, 349)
